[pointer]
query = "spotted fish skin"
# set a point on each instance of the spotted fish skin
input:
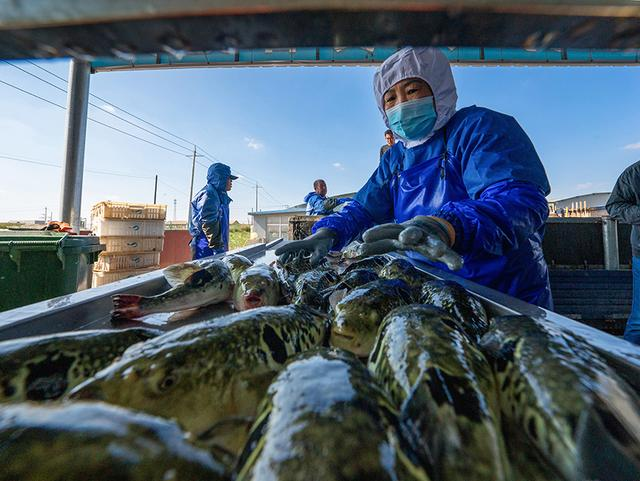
(325, 418)
(237, 264)
(358, 315)
(445, 391)
(375, 263)
(404, 270)
(211, 284)
(46, 367)
(458, 302)
(97, 442)
(209, 376)
(309, 287)
(257, 286)
(569, 403)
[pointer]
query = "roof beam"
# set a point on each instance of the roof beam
(123, 28)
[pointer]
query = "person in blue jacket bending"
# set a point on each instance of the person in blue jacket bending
(209, 222)
(317, 201)
(463, 189)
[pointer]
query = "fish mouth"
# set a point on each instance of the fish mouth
(345, 337)
(252, 300)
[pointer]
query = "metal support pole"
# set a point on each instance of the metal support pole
(77, 107)
(155, 190)
(610, 243)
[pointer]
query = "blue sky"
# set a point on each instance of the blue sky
(286, 126)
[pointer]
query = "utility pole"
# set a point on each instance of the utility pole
(155, 190)
(257, 187)
(193, 173)
(45, 214)
(175, 202)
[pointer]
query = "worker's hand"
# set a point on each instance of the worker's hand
(316, 245)
(212, 233)
(330, 203)
(430, 236)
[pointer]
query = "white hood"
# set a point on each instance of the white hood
(428, 64)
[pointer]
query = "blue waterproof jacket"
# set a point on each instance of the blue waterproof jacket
(209, 223)
(481, 173)
(315, 203)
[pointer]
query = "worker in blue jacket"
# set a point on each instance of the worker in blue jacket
(462, 189)
(209, 222)
(317, 201)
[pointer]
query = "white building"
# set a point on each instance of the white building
(587, 205)
(269, 225)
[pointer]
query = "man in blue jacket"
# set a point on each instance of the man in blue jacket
(317, 201)
(462, 189)
(209, 222)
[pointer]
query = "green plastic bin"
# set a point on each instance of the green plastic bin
(35, 265)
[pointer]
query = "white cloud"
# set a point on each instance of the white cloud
(253, 143)
(338, 165)
(584, 186)
(108, 108)
(635, 146)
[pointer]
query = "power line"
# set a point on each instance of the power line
(172, 187)
(209, 156)
(118, 107)
(94, 120)
(33, 95)
(93, 171)
(98, 106)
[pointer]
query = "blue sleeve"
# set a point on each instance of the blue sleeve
(210, 208)
(373, 204)
(315, 205)
(506, 183)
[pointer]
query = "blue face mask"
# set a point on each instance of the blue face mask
(413, 119)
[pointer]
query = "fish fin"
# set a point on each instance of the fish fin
(177, 273)
(126, 306)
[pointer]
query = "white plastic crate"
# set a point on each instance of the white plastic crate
(132, 244)
(121, 262)
(127, 228)
(102, 278)
(124, 210)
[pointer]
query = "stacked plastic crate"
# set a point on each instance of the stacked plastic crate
(134, 236)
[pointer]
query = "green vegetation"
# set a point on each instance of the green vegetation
(239, 235)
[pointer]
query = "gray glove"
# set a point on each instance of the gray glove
(317, 245)
(330, 203)
(430, 236)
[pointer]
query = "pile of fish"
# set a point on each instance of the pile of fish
(351, 370)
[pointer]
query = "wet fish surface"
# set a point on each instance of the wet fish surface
(458, 302)
(43, 368)
(375, 263)
(325, 418)
(310, 285)
(358, 315)
(211, 284)
(237, 264)
(574, 409)
(97, 442)
(257, 286)
(209, 376)
(403, 269)
(445, 390)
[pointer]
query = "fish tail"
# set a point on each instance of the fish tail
(127, 306)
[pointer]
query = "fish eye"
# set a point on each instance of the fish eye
(167, 382)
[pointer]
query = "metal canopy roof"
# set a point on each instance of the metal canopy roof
(128, 28)
(364, 56)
